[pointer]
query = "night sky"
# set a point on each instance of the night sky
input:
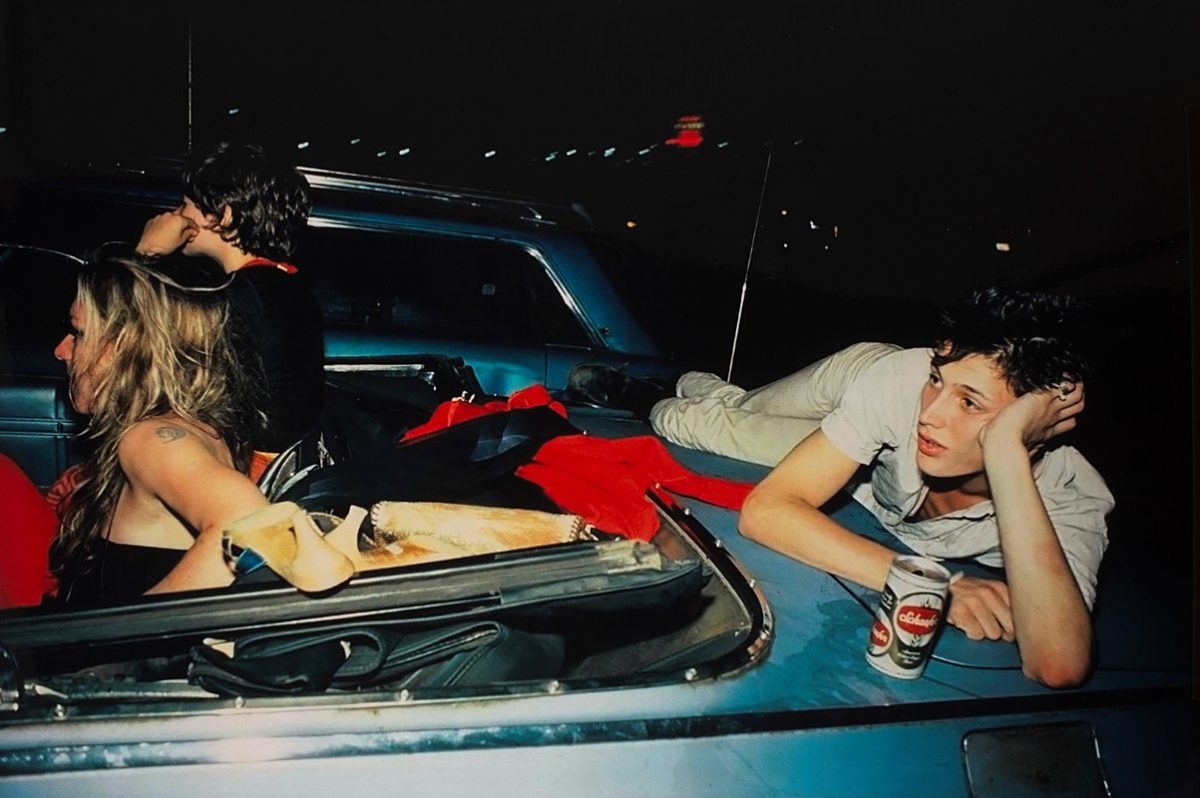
(925, 132)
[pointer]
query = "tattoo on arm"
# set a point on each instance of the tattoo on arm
(168, 434)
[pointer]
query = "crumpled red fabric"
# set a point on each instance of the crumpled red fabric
(30, 525)
(456, 411)
(602, 480)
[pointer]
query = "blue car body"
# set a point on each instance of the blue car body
(610, 334)
(803, 714)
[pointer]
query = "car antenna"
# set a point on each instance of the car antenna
(749, 258)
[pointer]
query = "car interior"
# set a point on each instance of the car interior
(597, 611)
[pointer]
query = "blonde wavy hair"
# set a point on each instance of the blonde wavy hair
(165, 352)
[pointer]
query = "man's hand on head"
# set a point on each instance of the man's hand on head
(980, 608)
(1036, 417)
(165, 233)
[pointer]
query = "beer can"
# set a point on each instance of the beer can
(910, 610)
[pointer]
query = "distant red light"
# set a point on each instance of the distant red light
(686, 138)
(687, 132)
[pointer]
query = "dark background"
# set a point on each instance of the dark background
(905, 141)
(926, 132)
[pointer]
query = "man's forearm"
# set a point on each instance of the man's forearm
(1053, 626)
(802, 532)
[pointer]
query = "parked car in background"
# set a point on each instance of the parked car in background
(510, 284)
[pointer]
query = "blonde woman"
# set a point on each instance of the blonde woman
(170, 419)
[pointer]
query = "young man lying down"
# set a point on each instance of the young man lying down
(960, 444)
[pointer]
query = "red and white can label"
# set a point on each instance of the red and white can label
(910, 611)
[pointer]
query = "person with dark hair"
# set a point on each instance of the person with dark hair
(246, 213)
(961, 460)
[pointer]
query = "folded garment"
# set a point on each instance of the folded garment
(427, 530)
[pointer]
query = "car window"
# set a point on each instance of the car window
(436, 286)
(36, 289)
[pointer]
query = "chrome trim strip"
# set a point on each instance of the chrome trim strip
(975, 711)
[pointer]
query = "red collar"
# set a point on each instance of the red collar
(286, 268)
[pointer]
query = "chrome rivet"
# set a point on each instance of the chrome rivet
(239, 702)
(554, 686)
(691, 674)
(59, 712)
(405, 695)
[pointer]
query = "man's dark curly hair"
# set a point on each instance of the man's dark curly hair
(268, 202)
(1031, 335)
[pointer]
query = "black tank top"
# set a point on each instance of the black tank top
(121, 571)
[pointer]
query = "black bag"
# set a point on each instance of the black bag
(274, 663)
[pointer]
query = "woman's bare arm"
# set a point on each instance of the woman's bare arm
(174, 463)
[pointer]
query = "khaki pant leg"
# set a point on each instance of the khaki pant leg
(763, 425)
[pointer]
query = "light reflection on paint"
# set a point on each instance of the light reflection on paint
(254, 749)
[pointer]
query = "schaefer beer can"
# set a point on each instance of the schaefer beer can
(910, 610)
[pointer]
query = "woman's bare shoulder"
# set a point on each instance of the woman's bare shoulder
(166, 435)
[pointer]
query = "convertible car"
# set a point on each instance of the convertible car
(649, 651)
(668, 658)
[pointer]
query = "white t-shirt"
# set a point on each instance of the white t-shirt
(876, 424)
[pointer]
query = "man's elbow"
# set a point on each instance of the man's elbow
(1058, 672)
(751, 520)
